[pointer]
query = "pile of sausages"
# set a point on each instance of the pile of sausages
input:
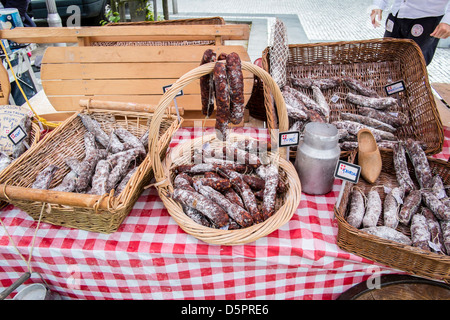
(109, 162)
(422, 208)
(379, 114)
(229, 188)
(226, 86)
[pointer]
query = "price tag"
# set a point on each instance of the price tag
(395, 87)
(179, 94)
(17, 135)
(334, 98)
(347, 171)
(287, 139)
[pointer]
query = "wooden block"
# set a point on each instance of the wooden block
(443, 89)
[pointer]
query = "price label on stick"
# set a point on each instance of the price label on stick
(17, 135)
(347, 171)
(179, 94)
(288, 139)
(395, 87)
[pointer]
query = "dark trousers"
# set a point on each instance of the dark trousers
(418, 30)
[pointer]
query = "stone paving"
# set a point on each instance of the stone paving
(321, 20)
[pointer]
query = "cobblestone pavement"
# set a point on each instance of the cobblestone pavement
(322, 20)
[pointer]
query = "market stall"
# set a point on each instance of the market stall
(151, 257)
(179, 236)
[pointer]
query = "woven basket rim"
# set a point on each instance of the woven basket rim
(239, 236)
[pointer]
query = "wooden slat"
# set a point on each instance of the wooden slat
(70, 103)
(126, 70)
(126, 33)
(123, 54)
(121, 87)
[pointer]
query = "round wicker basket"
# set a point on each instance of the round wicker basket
(287, 203)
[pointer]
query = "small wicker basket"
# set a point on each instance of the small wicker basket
(403, 257)
(288, 202)
(181, 22)
(376, 63)
(88, 212)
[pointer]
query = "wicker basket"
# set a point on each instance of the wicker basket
(289, 201)
(403, 257)
(82, 211)
(376, 63)
(192, 21)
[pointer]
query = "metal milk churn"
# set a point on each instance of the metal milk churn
(317, 157)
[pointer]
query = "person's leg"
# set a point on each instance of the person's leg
(420, 30)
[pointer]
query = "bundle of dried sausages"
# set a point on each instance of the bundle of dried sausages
(103, 169)
(226, 84)
(247, 193)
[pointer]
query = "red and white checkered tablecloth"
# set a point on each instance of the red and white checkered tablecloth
(151, 257)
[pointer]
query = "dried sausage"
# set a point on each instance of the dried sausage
(436, 238)
(218, 184)
(130, 141)
(420, 235)
(124, 181)
(410, 206)
(401, 167)
(373, 209)
(445, 227)
(196, 216)
(368, 121)
(183, 181)
(201, 203)
(242, 157)
(206, 84)
(100, 178)
(45, 177)
(388, 234)
(357, 208)
(370, 102)
(236, 86)
(359, 87)
(68, 183)
(395, 119)
(354, 127)
(420, 163)
(321, 101)
(270, 191)
(237, 213)
(392, 203)
(110, 142)
(222, 101)
(440, 210)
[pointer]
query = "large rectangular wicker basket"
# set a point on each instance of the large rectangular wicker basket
(403, 257)
(376, 63)
(95, 213)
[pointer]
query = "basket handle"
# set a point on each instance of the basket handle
(189, 77)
